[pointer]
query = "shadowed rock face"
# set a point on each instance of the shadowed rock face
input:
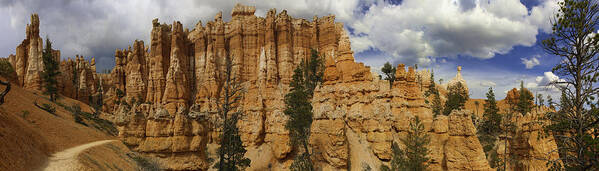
(163, 96)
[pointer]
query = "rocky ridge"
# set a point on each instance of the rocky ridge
(163, 95)
(176, 118)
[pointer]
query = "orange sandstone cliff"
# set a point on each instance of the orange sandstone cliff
(162, 95)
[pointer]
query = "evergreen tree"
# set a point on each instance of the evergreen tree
(231, 150)
(575, 126)
(98, 100)
(490, 129)
(50, 72)
(456, 98)
(525, 100)
(299, 109)
(432, 90)
(415, 155)
(508, 127)
(389, 72)
(313, 72)
(550, 102)
(437, 108)
(540, 99)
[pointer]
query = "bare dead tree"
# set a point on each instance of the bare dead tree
(5, 92)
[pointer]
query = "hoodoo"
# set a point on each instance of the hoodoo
(163, 95)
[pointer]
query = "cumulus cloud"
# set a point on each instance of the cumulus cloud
(417, 29)
(411, 32)
(97, 28)
(544, 83)
(532, 62)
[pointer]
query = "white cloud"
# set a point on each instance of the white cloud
(541, 15)
(543, 84)
(532, 62)
(488, 84)
(97, 28)
(417, 29)
(359, 44)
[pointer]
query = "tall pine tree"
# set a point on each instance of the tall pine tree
(231, 151)
(432, 90)
(414, 156)
(525, 100)
(490, 129)
(50, 72)
(299, 109)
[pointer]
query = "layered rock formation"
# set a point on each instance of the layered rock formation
(28, 59)
(77, 79)
(528, 146)
(176, 119)
(164, 95)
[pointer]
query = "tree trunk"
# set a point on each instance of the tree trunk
(6, 90)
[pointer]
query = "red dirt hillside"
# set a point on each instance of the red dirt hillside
(29, 135)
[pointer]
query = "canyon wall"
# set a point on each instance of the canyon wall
(163, 95)
(168, 103)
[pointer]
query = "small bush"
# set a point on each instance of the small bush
(145, 164)
(24, 114)
(76, 111)
(385, 168)
(79, 120)
(133, 101)
(366, 167)
(49, 108)
(92, 120)
(6, 70)
(119, 93)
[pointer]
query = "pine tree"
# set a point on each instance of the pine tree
(540, 99)
(50, 72)
(525, 100)
(389, 72)
(508, 127)
(575, 126)
(313, 72)
(231, 150)
(98, 100)
(299, 109)
(415, 155)
(490, 128)
(432, 90)
(550, 102)
(456, 98)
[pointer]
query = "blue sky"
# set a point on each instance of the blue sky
(492, 40)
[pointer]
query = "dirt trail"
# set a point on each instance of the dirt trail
(67, 160)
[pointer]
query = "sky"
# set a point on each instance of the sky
(497, 42)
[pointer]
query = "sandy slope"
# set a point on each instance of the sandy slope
(67, 159)
(29, 135)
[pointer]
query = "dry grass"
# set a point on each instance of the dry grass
(28, 138)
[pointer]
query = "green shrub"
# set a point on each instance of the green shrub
(145, 164)
(6, 70)
(49, 108)
(24, 114)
